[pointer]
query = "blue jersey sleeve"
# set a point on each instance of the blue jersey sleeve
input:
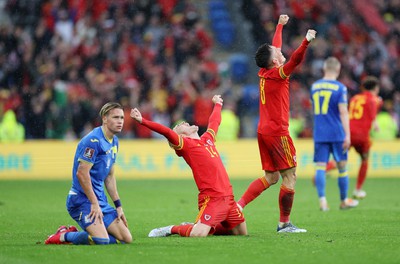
(88, 149)
(343, 98)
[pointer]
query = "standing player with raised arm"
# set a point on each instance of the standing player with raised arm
(278, 154)
(87, 201)
(362, 111)
(218, 211)
(331, 131)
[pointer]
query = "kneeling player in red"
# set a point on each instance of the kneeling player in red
(218, 211)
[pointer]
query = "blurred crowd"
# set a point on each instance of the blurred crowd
(61, 60)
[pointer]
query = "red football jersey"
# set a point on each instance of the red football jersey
(362, 112)
(208, 170)
(201, 155)
(274, 95)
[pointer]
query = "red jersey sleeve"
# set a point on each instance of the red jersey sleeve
(172, 137)
(294, 60)
(277, 39)
(214, 120)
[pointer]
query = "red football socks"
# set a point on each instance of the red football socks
(182, 230)
(362, 174)
(253, 191)
(286, 196)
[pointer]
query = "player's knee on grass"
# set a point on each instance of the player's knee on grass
(120, 232)
(200, 230)
(114, 240)
(127, 238)
(240, 230)
(100, 240)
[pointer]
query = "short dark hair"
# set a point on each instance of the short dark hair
(263, 56)
(108, 107)
(370, 82)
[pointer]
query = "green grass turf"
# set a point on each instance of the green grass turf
(31, 210)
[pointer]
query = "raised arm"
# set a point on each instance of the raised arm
(215, 118)
(156, 127)
(298, 54)
(277, 39)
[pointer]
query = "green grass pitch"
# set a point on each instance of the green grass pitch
(31, 210)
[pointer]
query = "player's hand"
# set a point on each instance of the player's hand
(217, 99)
(311, 33)
(346, 144)
(375, 126)
(96, 215)
(283, 19)
(135, 114)
(121, 216)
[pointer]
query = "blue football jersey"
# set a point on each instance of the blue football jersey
(326, 95)
(96, 149)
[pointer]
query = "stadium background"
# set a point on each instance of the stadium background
(143, 159)
(61, 60)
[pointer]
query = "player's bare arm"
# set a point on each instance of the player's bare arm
(375, 126)
(344, 117)
(83, 175)
(111, 186)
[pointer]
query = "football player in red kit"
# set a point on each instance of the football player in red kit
(277, 151)
(362, 110)
(218, 211)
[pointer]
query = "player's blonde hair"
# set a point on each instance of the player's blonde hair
(108, 107)
(332, 64)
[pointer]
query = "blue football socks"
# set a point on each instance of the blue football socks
(83, 238)
(343, 182)
(320, 181)
(77, 238)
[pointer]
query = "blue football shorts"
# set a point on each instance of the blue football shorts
(79, 207)
(322, 150)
